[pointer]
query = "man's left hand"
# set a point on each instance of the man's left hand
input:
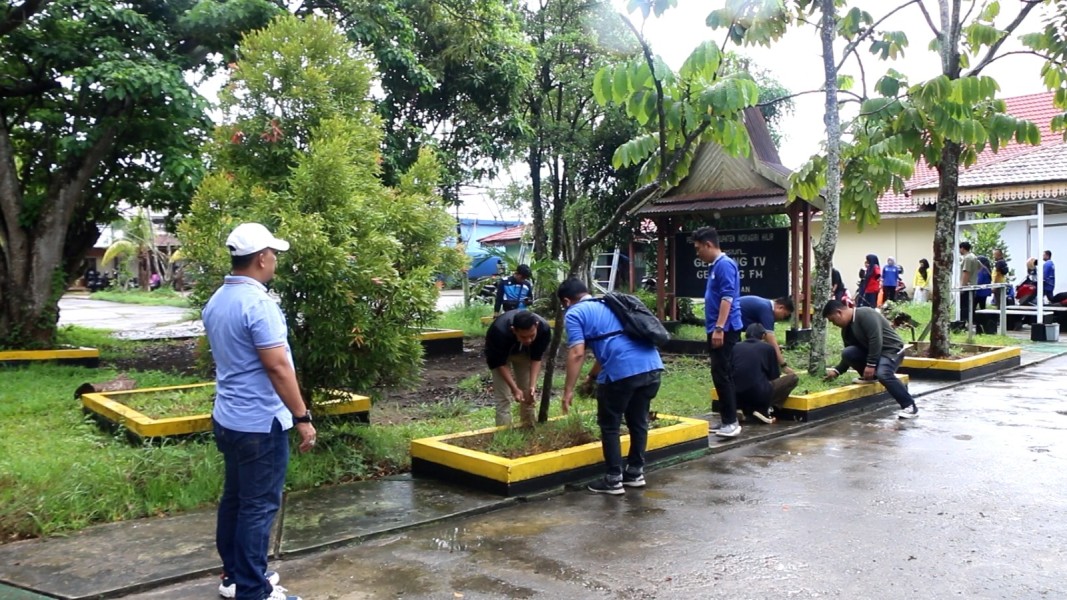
(307, 436)
(868, 373)
(531, 394)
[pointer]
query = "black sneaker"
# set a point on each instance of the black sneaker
(603, 486)
(629, 480)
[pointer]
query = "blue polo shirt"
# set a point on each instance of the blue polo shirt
(619, 355)
(723, 282)
(755, 309)
(240, 319)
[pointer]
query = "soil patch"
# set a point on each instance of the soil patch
(438, 392)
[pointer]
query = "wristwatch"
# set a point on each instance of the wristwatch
(304, 419)
(717, 328)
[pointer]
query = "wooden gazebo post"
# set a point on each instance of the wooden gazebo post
(805, 319)
(661, 269)
(794, 257)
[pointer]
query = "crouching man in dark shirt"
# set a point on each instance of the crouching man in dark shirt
(758, 381)
(517, 338)
(873, 349)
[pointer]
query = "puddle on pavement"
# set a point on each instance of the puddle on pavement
(964, 437)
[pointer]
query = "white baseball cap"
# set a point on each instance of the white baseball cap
(249, 238)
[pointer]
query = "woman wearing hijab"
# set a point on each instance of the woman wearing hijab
(871, 284)
(922, 281)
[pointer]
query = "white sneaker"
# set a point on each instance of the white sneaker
(228, 589)
(911, 412)
(729, 431)
(860, 380)
(281, 593)
(762, 417)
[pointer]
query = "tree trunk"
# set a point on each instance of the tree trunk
(824, 250)
(944, 243)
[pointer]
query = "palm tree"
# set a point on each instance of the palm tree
(138, 243)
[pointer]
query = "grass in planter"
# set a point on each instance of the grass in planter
(160, 297)
(690, 332)
(468, 319)
(170, 403)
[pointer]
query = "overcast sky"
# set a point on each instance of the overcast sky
(796, 61)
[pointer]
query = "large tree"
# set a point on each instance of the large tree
(451, 73)
(95, 109)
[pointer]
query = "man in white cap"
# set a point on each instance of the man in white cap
(257, 400)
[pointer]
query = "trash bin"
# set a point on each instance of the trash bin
(1045, 332)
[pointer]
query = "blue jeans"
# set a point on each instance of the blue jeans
(629, 399)
(251, 496)
(885, 373)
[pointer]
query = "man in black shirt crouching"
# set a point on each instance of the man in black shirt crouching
(760, 384)
(517, 338)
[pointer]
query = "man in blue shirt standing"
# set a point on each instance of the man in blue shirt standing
(515, 292)
(722, 317)
(1048, 273)
(755, 309)
(257, 400)
(627, 373)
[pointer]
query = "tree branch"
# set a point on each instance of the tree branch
(15, 17)
(991, 54)
(661, 112)
(641, 195)
(929, 20)
(870, 30)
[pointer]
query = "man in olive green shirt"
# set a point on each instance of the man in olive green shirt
(873, 349)
(969, 267)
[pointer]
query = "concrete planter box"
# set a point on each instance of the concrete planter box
(819, 405)
(111, 412)
(441, 342)
(436, 457)
(989, 359)
(688, 347)
(86, 357)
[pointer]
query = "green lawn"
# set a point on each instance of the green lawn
(466, 319)
(60, 472)
(160, 297)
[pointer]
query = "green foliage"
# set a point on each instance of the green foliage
(700, 103)
(300, 153)
(97, 109)
(465, 318)
(160, 297)
(986, 237)
(452, 73)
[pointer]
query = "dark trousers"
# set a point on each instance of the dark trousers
(627, 399)
(773, 394)
(251, 494)
(869, 299)
(722, 375)
(889, 293)
(885, 372)
(966, 299)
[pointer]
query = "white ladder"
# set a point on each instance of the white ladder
(605, 282)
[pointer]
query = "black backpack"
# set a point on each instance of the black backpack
(637, 321)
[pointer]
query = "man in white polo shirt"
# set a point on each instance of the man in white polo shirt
(257, 401)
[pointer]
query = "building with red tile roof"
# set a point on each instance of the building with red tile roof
(1017, 172)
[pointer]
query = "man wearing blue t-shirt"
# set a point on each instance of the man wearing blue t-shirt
(627, 372)
(755, 309)
(1048, 273)
(722, 317)
(257, 400)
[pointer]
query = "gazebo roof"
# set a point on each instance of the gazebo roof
(730, 185)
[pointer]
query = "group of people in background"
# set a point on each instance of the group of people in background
(879, 284)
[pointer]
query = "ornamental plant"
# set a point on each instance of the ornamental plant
(299, 152)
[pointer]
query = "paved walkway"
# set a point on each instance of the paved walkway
(966, 500)
(140, 322)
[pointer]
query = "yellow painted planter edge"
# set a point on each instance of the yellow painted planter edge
(64, 353)
(506, 470)
(962, 364)
(146, 426)
(845, 393)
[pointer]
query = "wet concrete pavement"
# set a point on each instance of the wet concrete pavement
(967, 501)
